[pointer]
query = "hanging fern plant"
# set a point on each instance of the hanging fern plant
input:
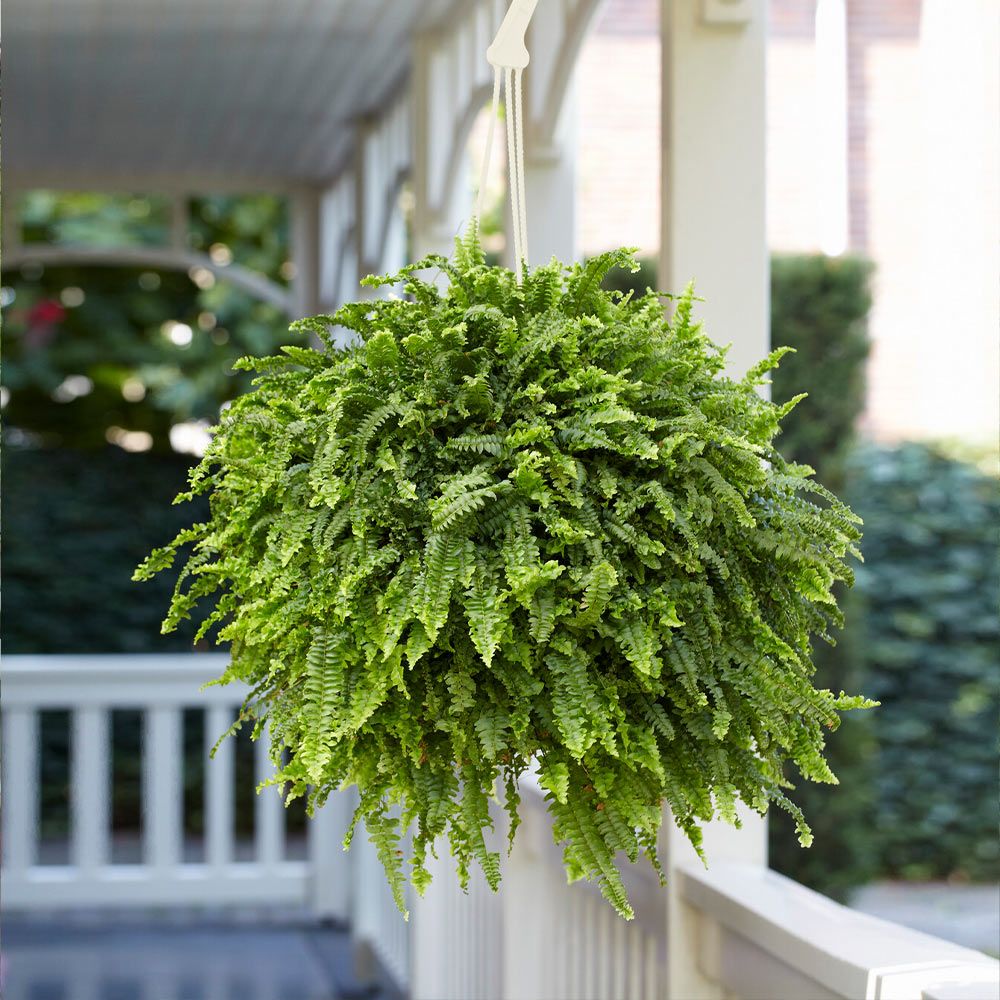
(515, 526)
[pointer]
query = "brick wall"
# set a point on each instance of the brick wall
(923, 179)
(618, 129)
(793, 197)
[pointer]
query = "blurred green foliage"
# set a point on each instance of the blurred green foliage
(819, 306)
(917, 798)
(621, 279)
(931, 641)
(76, 524)
(94, 219)
(88, 349)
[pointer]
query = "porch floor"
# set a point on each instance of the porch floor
(180, 955)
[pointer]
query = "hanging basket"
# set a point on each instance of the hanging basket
(518, 526)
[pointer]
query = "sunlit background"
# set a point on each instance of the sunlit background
(126, 304)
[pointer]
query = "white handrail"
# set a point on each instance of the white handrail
(763, 934)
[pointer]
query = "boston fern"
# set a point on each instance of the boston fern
(512, 527)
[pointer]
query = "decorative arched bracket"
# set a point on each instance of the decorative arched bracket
(452, 81)
(163, 258)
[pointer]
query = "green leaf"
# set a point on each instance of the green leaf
(513, 525)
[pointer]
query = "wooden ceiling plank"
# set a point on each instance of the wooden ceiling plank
(246, 109)
(385, 53)
(164, 88)
(307, 70)
(332, 107)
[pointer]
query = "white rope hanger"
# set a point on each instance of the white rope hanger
(509, 53)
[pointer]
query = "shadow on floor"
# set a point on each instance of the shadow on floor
(178, 956)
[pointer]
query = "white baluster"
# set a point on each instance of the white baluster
(448, 932)
(90, 773)
(162, 754)
(652, 969)
(587, 983)
(269, 816)
(332, 866)
(549, 971)
(619, 960)
(218, 788)
(604, 918)
(463, 944)
(20, 788)
(631, 960)
(567, 933)
(484, 944)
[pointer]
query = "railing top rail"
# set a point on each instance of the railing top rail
(853, 954)
(52, 681)
(44, 663)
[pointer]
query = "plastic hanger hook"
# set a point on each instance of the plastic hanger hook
(508, 50)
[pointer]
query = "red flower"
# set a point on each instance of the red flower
(45, 313)
(43, 319)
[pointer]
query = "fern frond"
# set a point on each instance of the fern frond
(517, 524)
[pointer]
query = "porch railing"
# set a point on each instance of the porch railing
(749, 932)
(761, 934)
(161, 687)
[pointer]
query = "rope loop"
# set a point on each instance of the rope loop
(514, 115)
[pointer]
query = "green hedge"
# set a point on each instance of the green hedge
(76, 524)
(819, 306)
(931, 642)
(917, 797)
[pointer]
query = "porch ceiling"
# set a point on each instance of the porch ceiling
(228, 92)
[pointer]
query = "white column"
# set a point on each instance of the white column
(685, 941)
(438, 215)
(713, 190)
(305, 222)
(550, 196)
(713, 230)
(550, 163)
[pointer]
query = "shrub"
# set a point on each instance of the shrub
(75, 524)
(931, 641)
(515, 525)
(819, 307)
